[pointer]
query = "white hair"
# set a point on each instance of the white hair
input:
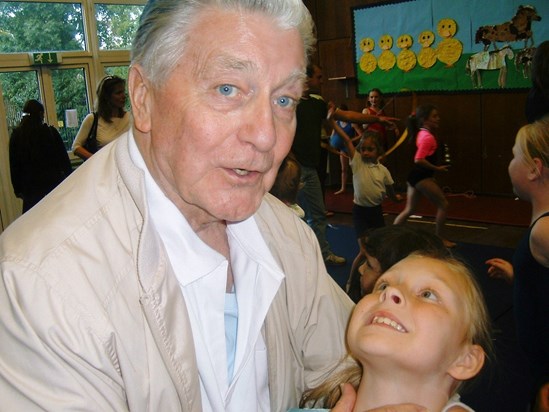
(164, 27)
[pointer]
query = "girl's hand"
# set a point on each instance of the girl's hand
(346, 402)
(500, 269)
(443, 168)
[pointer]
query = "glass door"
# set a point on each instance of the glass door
(62, 90)
(70, 101)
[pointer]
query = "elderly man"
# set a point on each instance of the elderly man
(161, 276)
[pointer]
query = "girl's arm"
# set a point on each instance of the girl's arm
(356, 117)
(428, 165)
(345, 136)
(358, 132)
(539, 241)
(426, 145)
(392, 194)
(80, 139)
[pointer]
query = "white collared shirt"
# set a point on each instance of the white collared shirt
(202, 275)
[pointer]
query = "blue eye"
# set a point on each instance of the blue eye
(284, 101)
(226, 90)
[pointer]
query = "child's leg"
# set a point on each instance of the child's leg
(432, 191)
(412, 199)
(344, 161)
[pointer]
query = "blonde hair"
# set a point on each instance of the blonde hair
(533, 141)
(479, 332)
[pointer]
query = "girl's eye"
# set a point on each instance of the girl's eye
(429, 294)
(285, 101)
(227, 90)
(382, 286)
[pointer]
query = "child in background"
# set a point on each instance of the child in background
(372, 181)
(287, 184)
(381, 248)
(417, 338)
(374, 107)
(338, 143)
(529, 273)
(428, 160)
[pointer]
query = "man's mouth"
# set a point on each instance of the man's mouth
(389, 322)
(241, 172)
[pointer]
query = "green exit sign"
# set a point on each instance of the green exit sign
(45, 58)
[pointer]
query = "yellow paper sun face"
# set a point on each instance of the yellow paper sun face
(447, 28)
(405, 41)
(367, 44)
(385, 42)
(426, 38)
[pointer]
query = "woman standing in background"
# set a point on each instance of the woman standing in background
(113, 119)
(38, 158)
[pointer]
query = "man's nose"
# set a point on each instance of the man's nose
(259, 128)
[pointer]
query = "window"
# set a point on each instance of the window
(36, 27)
(116, 25)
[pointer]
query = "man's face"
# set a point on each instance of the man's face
(315, 81)
(225, 119)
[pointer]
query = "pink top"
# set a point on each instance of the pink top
(426, 144)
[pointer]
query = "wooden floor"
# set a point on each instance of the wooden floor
(457, 231)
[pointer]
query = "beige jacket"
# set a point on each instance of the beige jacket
(92, 317)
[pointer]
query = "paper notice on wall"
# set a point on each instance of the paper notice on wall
(71, 117)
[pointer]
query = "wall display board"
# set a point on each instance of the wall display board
(447, 45)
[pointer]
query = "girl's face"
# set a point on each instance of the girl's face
(374, 98)
(432, 121)
(518, 172)
(414, 318)
(368, 151)
(370, 270)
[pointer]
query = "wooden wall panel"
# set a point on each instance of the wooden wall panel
(502, 116)
(338, 21)
(479, 127)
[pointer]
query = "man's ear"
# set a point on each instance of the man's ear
(140, 91)
(468, 364)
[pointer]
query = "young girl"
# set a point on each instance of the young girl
(381, 248)
(529, 173)
(428, 160)
(374, 107)
(417, 338)
(371, 181)
(338, 143)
